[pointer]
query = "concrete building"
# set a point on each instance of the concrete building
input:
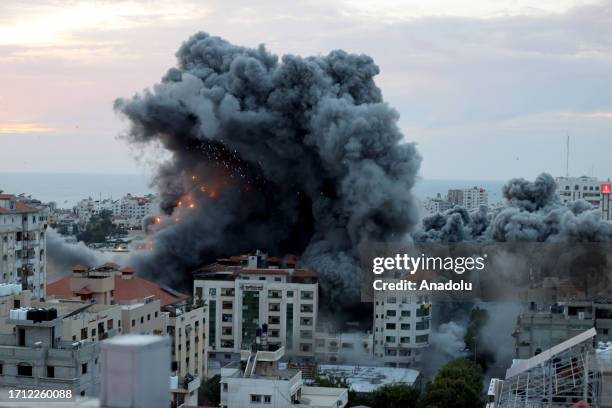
(256, 381)
(23, 258)
(243, 292)
(541, 327)
(590, 189)
(146, 308)
(436, 205)
(343, 348)
(401, 327)
(186, 328)
(34, 356)
(469, 198)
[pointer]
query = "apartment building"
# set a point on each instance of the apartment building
(86, 321)
(590, 189)
(34, 356)
(469, 198)
(23, 258)
(402, 326)
(186, 328)
(543, 326)
(256, 381)
(144, 308)
(243, 292)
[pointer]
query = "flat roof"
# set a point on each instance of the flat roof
(369, 379)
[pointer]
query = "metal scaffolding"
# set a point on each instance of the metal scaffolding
(558, 377)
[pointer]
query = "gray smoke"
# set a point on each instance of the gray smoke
(62, 256)
(533, 214)
(297, 155)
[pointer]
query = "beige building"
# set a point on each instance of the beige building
(186, 328)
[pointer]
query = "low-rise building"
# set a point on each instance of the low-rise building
(367, 379)
(256, 381)
(35, 357)
(543, 326)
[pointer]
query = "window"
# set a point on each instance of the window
(267, 399)
(405, 313)
(156, 317)
(93, 332)
(141, 319)
(1, 368)
(16, 304)
(422, 339)
(50, 372)
(133, 322)
(405, 326)
(255, 398)
(83, 333)
(24, 370)
(225, 387)
(289, 293)
(391, 313)
(390, 326)
(109, 324)
(84, 368)
(149, 316)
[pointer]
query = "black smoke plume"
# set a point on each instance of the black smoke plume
(297, 155)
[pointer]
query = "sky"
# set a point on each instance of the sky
(488, 89)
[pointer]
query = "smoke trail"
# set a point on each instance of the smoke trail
(296, 155)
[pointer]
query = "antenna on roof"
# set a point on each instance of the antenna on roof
(567, 154)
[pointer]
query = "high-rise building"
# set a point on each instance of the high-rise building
(590, 189)
(244, 292)
(401, 327)
(23, 258)
(469, 198)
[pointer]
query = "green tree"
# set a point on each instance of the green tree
(99, 227)
(209, 393)
(457, 385)
(395, 396)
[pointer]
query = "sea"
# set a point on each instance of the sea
(66, 189)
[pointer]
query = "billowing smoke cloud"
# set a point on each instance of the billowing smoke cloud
(298, 155)
(533, 213)
(62, 256)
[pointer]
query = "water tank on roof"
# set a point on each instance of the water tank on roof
(174, 382)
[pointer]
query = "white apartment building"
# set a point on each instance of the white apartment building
(402, 326)
(590, 189)
(469, 198)
(245, 292)
(257, 381)
(23, 258)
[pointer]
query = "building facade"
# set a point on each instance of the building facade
(258, 381)
(36, 357)
(542, 327)
(590, 189)
(244, 292)
(469, 198)
(402, 326)
(23, 258)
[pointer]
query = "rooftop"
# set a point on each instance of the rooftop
(369, 379)
(126, 290)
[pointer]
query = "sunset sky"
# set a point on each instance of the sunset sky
(487, 89)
